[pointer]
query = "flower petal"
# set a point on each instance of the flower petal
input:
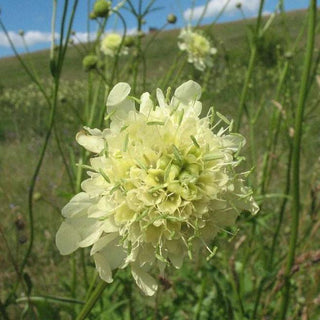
(77, 205)
(67, 239)
(119, 93)
(188, 92)
(102, 242)
(146, 105)
(144, 281)
(91, 143)
(103, 267)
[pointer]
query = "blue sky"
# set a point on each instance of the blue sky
(34, 17)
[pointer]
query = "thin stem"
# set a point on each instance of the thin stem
(245, 88)
(296, 157)
(275, 237)
(252, 60)
(96, 294)
(23, 64)
(272, 139)
(116, 61)
(52, 112)
(63, 157)
(3, 311)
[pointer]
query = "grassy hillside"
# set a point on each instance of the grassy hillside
(228, 37)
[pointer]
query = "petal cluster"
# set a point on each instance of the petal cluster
(160, 186)
(110, 45)
(199, 49)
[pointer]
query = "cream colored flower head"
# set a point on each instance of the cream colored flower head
(162, 184)
(111, 43)
(198, 47)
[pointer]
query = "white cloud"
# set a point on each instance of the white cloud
(83, 37)
(37, 37)
(31, 38)
(215, 7)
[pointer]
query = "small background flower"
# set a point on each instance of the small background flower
(199, 49)
(110, 45)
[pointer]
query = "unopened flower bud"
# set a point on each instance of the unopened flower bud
(73, 33)
(90, 62)
(129, 41)
(101, 8)
(291, 132)
(239, 5)
(37, 196)
(21, 33)
(19, 222)
(92, 16)
(288, 55)
(171, 18)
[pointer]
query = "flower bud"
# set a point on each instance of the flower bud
(129, 41)
(288, 55)
(19, 222)
(92, 16)
(37, 196)
(239, 5)
(171, 18)
(89, 62)
(63, 99)
(21, 33)
(101, 8)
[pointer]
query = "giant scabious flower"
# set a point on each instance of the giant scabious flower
(198, 47)
(161, 185)
(110, 45)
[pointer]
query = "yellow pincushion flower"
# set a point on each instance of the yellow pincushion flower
(161, 184)
(198, 47)
(111, 43)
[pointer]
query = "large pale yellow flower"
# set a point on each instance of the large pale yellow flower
(110, 45)
(161, 185)
(198, 47)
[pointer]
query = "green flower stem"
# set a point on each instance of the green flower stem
(296, 158)
(201, 298)
(50, 299)
(269, 265)
(275, 127)
(164, 82)
(245, 88)
(73, 284)
(3, 311)
(56, 71)
(116, 61)
(64, 159)
(94, 297)
(252, 60)
(282, 210)
(92, 283)
(32, 76)
(84, 269)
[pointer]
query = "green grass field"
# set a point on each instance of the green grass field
(230, 284)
